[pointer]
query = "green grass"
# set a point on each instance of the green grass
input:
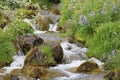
(105, 40)
(7, 49)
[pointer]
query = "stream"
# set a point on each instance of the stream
(73, 57)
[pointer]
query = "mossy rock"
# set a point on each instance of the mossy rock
(88, 67)
(35, 72)
(112, 75)
(39, 57)
(10, 77)
(43, 22)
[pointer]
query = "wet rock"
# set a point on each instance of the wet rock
(10, 77)
(27, 41)
(59, 28)
(37, 58)
(55, 73)
(43, 22)
(35, 72)
(88, 67)
(58, 54)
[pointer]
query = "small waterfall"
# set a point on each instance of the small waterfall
(34, 25)
(53, 27)
(73, 52)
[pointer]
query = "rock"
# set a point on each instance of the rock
(37, 58)
(111, 75)
(35, 72)
(59, 28)
(43, 22)
(58, 54)
(88, 67)
(55, 11)
(10, 77)
(27, 41)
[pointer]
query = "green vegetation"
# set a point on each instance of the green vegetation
(7, 49)
(95, 22)
(23, 13)
(47, 50)
(18, 27)
(45, 3)
(105, 40)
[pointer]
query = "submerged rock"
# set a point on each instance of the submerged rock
(27, 41)
(88, 67)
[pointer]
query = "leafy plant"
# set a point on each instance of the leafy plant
(7, 49)
(23, 13)
(18, 27)
(105, 40)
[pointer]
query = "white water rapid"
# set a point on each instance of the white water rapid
(74, 56)
(18, 63)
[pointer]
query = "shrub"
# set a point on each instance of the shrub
(18, 27)
(22, 13)
(7, 49)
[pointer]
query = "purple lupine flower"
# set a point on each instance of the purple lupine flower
(83, 20)
(113, 52)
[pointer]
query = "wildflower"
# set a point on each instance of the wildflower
(113, 52)
(92, 14)
(83, 20)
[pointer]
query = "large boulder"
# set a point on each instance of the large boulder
(37, 57)
(88, 67)
(27, 41)
(58, 54)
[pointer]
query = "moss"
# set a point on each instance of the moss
(35, 72)
(40, 57)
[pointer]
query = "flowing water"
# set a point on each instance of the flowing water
(73, 57)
